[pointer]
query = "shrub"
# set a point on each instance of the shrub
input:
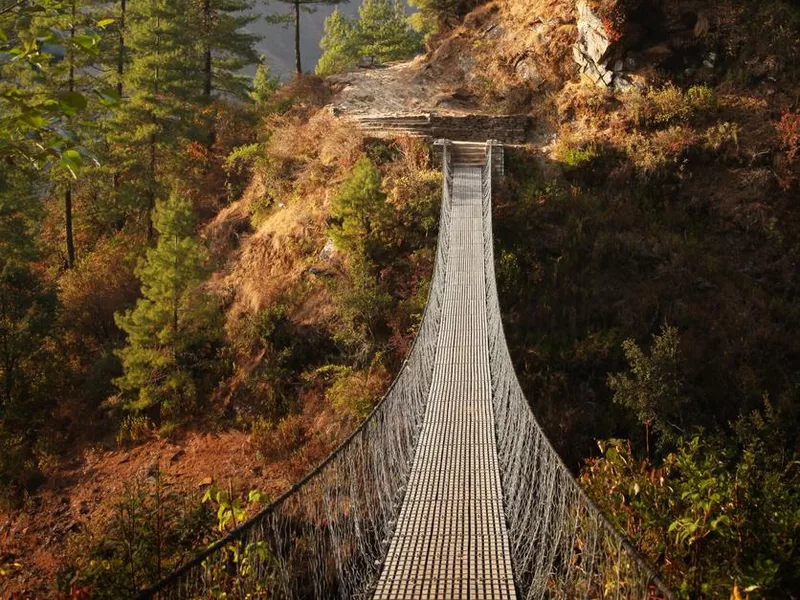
(723, 135)
(789, 134)
(277, 441)
(702, 98)
(151, 529)
(354, 392)
(718, 512)
(667, 105)
(662, 154)
(575, 158)
(654, 388)
(133, 428)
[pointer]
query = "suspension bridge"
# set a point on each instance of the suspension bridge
(449, 490)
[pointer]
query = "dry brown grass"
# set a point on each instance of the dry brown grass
(275, 258)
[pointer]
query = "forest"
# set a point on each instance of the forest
(207, 279)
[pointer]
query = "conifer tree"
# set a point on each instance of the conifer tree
(384, 31)
(339, 45)
(170, 328)
(299, 6)
(161, 83)
(226, 46)
(425, 20)
(264, 84)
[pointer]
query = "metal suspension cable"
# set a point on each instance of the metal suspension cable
(562, 545)
(327, 535)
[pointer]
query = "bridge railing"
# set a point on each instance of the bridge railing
(562, 547)
(327, 535)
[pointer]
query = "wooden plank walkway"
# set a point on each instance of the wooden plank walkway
(450, 541)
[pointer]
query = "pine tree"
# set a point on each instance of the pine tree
(384, 31)
(28, 362)
(264, 84)
(162, 86)
(172, 324)
(425, 20)
(339, 45)
(226, 46)
(299, 6)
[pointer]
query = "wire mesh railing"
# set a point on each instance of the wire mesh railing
(327, 535)
(562, 547)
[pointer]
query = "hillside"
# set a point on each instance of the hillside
(647, 247)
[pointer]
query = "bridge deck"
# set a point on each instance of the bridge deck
(450, 541)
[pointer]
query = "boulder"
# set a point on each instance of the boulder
(527, 71)
(592, 50)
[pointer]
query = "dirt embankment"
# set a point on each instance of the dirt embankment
(34, 542)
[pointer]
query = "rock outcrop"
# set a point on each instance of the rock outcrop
(598, 57)
(593, 48)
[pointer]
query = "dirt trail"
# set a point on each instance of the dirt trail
(401, 89)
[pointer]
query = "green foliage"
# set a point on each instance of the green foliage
(237, 563)
(382, 31)
(28, 359)
(702, 99)
(339, 44)
(716, 512)
(176, 59)
(354, 392)
(670, 105)
(162, 84)
(654, 389)
(363, 302)
(264, 84)
(173, 326)
(284, 350)
(231, 509)
(134, 427)
(152, 528)
(435, 10)
(360, 210)
(425, 20)
(578, 157)
(361, 217)
(227, 46)
(39, 44)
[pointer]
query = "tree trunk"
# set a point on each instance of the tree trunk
(151, 191)
(68, 226)
(298, 67)
(207, 83)
(121, 49)
(151, 185)
(68, 193)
